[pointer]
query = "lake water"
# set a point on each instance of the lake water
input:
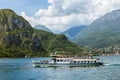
(22, 69)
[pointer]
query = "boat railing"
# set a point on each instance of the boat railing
(86, 58)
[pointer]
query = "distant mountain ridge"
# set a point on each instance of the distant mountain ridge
(42, 27)
(103, 32)
(70, 33)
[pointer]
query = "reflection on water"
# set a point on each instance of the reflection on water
(22, 69)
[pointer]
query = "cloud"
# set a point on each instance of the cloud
(32, 20)
(63, 14)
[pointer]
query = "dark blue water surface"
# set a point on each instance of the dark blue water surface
(22, 69)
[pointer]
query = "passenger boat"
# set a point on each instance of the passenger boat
(60, 60)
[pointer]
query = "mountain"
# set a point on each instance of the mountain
(103, 32)
(70, 33)
(19, 39)
(56, 42)
(42, 27)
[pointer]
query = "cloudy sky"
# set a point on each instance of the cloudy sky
(59, 15)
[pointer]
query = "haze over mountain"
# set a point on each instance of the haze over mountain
(19, 39)
(103, 32)
(42, 27)
(70, 33)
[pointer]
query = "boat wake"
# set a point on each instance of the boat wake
(112, 64)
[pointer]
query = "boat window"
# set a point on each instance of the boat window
(61, 60)
(88, 61)
(67, 59)
(58, 60)
(84, 61)
(91, 62)
(94, 61)
(64, 60)
(54, 60)
(81, 61)
(74, 61)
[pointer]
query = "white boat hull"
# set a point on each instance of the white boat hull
(36, 64)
